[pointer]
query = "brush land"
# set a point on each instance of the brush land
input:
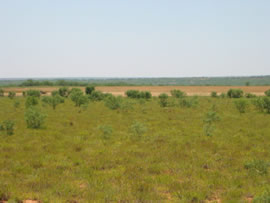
(194, 149)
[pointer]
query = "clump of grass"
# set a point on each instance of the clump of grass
(241, 105)
(8, 126)
(138, 129)
(258, 166)
(106, 131)
(264, 197)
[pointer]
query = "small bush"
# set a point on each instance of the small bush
(138, 129)
(235, 93)
(9, 127)
(264, 197)
(31, 101)
(250, 95)
(210, 118)
(266, 104)
(16, 104)
(163, 100)
(259, 104)
(222, 95)
(33, 93)
(96, 96)
(189, 102)
(106, 131)
(267, 93)
(257, 166)
(11, 95)
(63, 91)
(53, 101)
(34, 118)
(135, 94)
(77, 97)
(1, 92)
(241, 105)
(113, 102)
(55, 93)
(214, 94)
(89, 90)
(178, 93)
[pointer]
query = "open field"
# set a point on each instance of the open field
(139, 152)
(155, 90)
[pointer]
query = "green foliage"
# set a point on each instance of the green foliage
(214, 94)
(250, 95)
(31, 101)
(266, 104)
(113, 102)
(55, 93)
(264, 197)
(53, 101)
(210, 118)
(89, 90)
(106, 131)
(235, 93)
(163, 100)
(8, 126)
(78, 97)
(16, 104)
(1, 92)
(63, 91)
(138, 129)
(258, 166)
(178, 93)
(189, 102)
(33, 93)
(34, 118)
(135, 94)
(241, 105)
(96, 96)
(259, 104)
(222, 95)
(267, 93)
(11, 95)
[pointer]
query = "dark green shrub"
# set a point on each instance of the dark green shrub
(241, 105)
(250, 95)
(33, 93)
(145, 95)
(133, 94)
(235, 93)
(214, 94)
(1, 92)
(9, 127)
(178, 93)
(11, 95)
(259, 104)
(24, 93)
(89, 90)
(96, 96)
(31, 101)
(78, 97)
(63, 91)
(257, 166)
(34, 118)
(267, 93)
(163, 100)
(113, 102)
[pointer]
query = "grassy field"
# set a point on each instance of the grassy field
(141, 152)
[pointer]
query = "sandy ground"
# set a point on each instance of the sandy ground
(155, 90)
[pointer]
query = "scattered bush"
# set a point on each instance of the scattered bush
(89, 90)
(1, 92)
(163, 100)
(16, 104)
(24, 93)
(34, 118)
(189, 102)
(250, 95)
(63, 91)
(178, 93)
(222, 95)
(214, 94)
(241, 105)
(257, 166)
(33, 93)
(138, 129)
(113, 102)
(96, 96)
(210, 118)
(135, 94)
(11, 95)
(55, 93)
(31, 101)
(235, 93)
(267, 93)
(259, 104)
(77, 97)
(106, 131)
(53, 101)
(9, 127)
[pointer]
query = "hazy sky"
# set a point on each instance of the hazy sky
(134, 38)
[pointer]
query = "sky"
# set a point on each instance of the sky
(134, 38)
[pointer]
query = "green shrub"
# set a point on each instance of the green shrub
(96, 96)
(257, 166)
(145, 95)
(34, 118)
(11, 95)
(1, 92)
(235, 93)
(214, 94)
(16, 104)
(259, 104)
(267, 93)
(78, 97)
(178, 93)
(222, 95)
(31, 101)
(189, 102)
(163, 100)
(89, 90)
(24, 93)
(241, 105)
(113, 102)
(55, 93)
(63, 91)
(33, 93)
(210, 118)
(53, 101)
(266, 104)
(138, 129)
(250, 95)
(264, 197)
(9, 127)
(106, 131)
(133, 94)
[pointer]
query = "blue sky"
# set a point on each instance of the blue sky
(142, 38)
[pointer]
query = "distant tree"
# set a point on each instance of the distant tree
(163, 100)
(267, 93)
(178, 93)
(235, 93)
(63, 91)
(34, 93)
(78, 97)
(89, 90)
(241, 105)
(55, 92)
(247, 83)
(53, 101)
(11, 95)
(31, 101)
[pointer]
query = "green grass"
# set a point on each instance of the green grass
(70, 159)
